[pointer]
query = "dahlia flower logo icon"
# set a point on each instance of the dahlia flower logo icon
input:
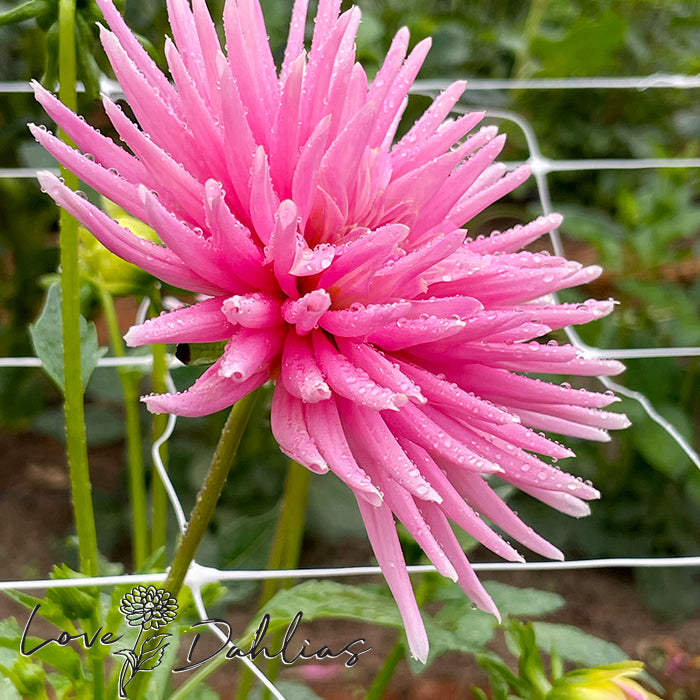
(148, 608)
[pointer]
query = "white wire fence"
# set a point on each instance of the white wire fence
(543, 168)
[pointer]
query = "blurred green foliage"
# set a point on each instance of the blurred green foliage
(642, 226)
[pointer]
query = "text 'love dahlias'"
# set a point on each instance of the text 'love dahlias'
(334, 263)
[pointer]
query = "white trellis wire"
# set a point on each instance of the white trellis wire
(542, 167)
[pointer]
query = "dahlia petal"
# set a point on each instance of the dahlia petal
(454, 506)
(324, 424)
(211, 54)
(375, 446)
(411, 422)
(451, 396)
(250, 351)
(501, 386)
(326, 16)
(264, 202)
(238, 137)
(89, 140)
(311, 261)
(255, 76)
(212, 392)
(407, 332)
(295, 38)
(517, 237)
(403, 276)
(206, 130)
(404, 507)
(121, 192)
(525, 438)
(253, 310)
(565, 503)
(158, 261)
(137, 53)
(184, 30)
(324, 84)
(472, 204)
(403, 160)
(380, 369)
(355, 263)
(586, 423)
(289, 429)
(306, 312)
(351, 382)
(458, 305)
(286, 132)
(307, 171)
(457, 183)
(519, 467)
(282, 248)
(166, 128)
(359, 320)
(563, 315)
(203, 322)
(172, 179)
(300, 372)
(228, 233)
(188, 245)
(467, 579)
(432, 118)
(392, 104)
(486, 501)
(381, 531)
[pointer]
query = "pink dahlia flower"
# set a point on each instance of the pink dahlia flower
(335, 264)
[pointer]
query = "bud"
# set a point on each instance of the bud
(118, 277)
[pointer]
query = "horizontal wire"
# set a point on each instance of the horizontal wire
(201, 575)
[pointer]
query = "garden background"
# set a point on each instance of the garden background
(640, 223)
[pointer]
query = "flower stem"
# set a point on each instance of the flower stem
(208, 495)
(76, 442)
(137, 486)
(284, 554)
(386, 672)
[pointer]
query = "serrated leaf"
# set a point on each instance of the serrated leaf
(151, 660)
(49, 610)
(572, 644)
(47, 339)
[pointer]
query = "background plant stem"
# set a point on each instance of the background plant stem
(137, 478)
(159, 499)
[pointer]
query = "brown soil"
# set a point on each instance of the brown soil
(36, 517)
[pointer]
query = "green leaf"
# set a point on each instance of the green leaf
(47, 339)
(327, 599)
(63, 658)
(523, 602)
(571, 644)
(49, 610)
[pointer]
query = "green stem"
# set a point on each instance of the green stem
(137, 480)
(284, 554)
(208, 495)
(531, 27)
(159, 498)
(76, 442)
(386, 672)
